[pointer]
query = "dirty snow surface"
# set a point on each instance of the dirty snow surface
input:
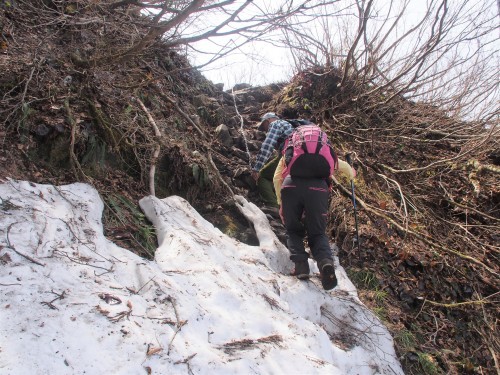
(72, 302)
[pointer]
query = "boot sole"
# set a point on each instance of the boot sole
(303, 276)
(328, 278)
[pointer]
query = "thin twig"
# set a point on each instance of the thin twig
(82, 263)
(179, 324)
(27, 84)
(59, 296)
(145, 285)
(10, 246)
(186, 362)
(458, 304)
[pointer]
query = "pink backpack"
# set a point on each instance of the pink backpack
(308, 153)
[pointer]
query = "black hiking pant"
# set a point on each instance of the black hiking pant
(305, 209)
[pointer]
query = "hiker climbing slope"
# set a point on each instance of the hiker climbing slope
(277, 132)
(302, 183)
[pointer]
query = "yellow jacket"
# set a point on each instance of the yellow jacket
(278, 178)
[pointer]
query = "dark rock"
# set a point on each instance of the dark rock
(240, 154)
(223, 135)
(42, 130)
(241, 86)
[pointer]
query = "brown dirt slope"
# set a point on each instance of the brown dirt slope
(427, 186)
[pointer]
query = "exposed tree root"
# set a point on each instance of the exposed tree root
(156, 152)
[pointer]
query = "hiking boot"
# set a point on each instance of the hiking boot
(327, 273)
(301, 270)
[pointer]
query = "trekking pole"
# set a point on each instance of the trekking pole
(349, 161)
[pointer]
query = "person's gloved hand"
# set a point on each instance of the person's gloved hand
(255, 175)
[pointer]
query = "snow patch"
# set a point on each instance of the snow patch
(74, 302)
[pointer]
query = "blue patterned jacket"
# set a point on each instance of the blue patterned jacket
(279, 131)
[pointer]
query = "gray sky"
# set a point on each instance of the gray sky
(260, 63)
(447, 73)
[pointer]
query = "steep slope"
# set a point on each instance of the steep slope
(427, 190)
(428, 194)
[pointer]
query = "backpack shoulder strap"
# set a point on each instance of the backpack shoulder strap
(303, 143)
(321, 142)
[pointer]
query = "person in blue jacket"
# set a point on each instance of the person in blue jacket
(263, 170)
